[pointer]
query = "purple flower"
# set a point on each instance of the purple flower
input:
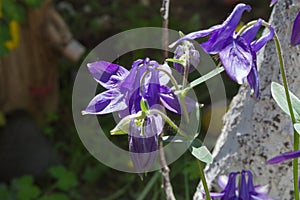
(273, 2)
(283, 157)
(237, 52)
(295, 39)
(126, 90)
(187, 49)
(245, 190)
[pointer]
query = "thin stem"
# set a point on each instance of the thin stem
(203, 78)
(164, 167)
(288, 98)
(165, 173)
(169, 121)
(165, 15)
(202, 176)
(173, 80)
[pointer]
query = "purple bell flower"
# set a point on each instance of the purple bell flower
(295, 39)
(193, 55)
(245, 190)
(124, 95)
(237, 52)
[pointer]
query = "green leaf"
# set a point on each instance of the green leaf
(92, 174)
(33, 3)
(297, 127)
(66, 179)
(202, 154)
(13, 11)
(279, 96)
(4, 192)
(55, 196)
(25, 189)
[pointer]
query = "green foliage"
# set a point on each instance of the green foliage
(55, 196)
(278, 93)
(33, 3)
(4, 36)
(13, 11)
(25, 188)
(4, 192)
(65, 179)
(202, 153)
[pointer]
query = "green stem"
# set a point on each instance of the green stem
(169, 121)
(203, 78)
(173, 80)
(202, 176)
(288, 98)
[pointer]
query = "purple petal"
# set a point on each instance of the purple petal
(143, 149)
(230, 189)
(295, 39)
(250, 181)
(222, 181)
(194, 57)
(221, 38)
(258, 44)
(107, 74)
(273, 2)
(237, 60)
(283, 157)
(215, 194)
(106, 102)
(251, 32)
(196, 34)
(244, 190)
(221, 35)
(169, 99)
(261, 190)
(253, 79)
(154, 125)
(163, 78)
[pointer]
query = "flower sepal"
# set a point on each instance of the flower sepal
(122, 128)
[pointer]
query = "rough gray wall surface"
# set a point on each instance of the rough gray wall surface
(256, 130)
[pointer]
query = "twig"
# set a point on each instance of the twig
(164, 167)
(165, 15)
(165, 173)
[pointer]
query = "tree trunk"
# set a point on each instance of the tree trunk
(256, 130)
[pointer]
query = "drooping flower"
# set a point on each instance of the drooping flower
(126, 90)
(187, 53)
(283, 157)
(237, 52)
(295, 39)
(243, 190)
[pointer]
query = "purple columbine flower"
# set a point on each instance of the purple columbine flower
(126, 90)
(183, 51)
(237, 52)
(283, 157)
(295, 39)
(245, 190)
